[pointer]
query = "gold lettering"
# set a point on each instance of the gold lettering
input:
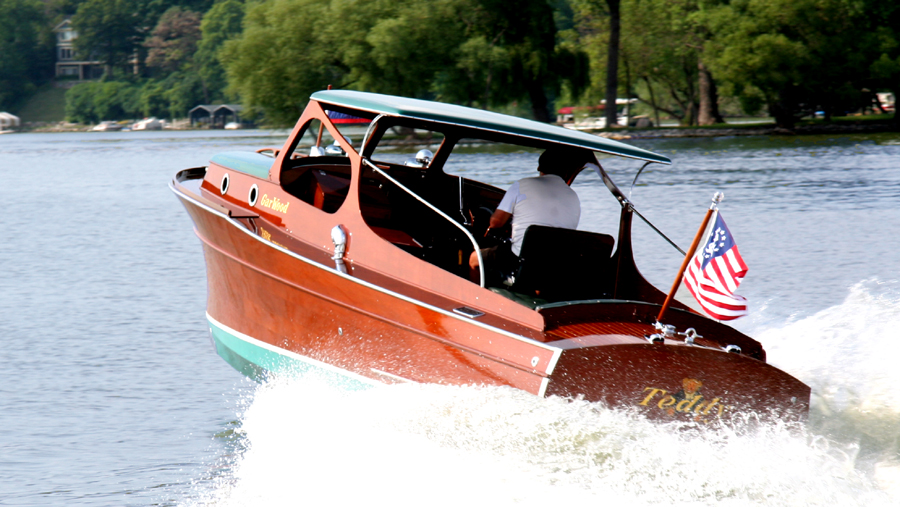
(266, 235)
(709, 407)
(654, 391)
(687, 405)
(697, 404)
(667, 401)
(274, 203)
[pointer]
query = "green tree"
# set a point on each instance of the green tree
(154, 9)
(280, 57)
(526, 31)
(480, 52)
(25, 50)
(885, 49)
(183, 90)
(80, 103)
(797, 56)
(477, 77)
(667, 56)
(116, 100)
(221, 23)
(612, 62)
(111, 30)
(100, 101)
(660, 55)
(394, 47)
(152, 99)
(173, 42)
(63, 8)
(483, 53)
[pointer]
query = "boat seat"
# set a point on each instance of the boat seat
(324, 186)
(564, 264)
(330, 190)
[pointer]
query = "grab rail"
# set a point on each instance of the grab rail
(436, 210)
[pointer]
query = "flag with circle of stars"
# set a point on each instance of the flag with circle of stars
(715, 272)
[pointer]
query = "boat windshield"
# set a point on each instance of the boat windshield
(455, 175)
(318, 141)
(412, 147)
(430, 188)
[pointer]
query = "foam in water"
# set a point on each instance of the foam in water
(848, 355)
(307, 443)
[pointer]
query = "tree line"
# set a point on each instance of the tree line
(684, 59)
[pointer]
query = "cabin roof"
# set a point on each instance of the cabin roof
(479, 119)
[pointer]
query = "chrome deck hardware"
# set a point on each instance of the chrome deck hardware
(339, 238)
(663, 331)
(690, 334)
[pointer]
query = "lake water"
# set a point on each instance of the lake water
(110, 393)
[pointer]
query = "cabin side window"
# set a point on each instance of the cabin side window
(318, 171)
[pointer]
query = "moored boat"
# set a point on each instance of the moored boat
(106, 126)
(149, 124)
(333, 256)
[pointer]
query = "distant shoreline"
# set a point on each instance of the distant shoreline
(757, 130)
(629, 133)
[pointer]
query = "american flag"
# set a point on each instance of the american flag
(715, 273)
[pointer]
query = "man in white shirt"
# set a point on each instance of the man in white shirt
(543, 200)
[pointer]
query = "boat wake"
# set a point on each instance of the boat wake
(305, 442)
(847, 355)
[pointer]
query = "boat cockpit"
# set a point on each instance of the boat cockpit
(410, 201)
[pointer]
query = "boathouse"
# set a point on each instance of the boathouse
(214, 116)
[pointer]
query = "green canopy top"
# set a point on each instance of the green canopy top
(479, 119)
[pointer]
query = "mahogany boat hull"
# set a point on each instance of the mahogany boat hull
(272, 311)
(312, 313)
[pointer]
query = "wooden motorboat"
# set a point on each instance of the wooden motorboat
(330, 256)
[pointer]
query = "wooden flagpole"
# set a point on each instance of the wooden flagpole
(717, 198)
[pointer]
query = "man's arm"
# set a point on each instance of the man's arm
(505, 209)
(499, 219)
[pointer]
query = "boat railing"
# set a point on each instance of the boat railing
(436, 210)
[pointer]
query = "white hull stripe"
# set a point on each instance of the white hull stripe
(544, 383)
(291, 355)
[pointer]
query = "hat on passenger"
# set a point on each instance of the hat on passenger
(563, 160)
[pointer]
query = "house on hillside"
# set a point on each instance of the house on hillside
(67, 65)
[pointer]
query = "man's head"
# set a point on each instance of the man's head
(563, 161)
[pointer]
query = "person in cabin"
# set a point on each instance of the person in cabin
(545, 199)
